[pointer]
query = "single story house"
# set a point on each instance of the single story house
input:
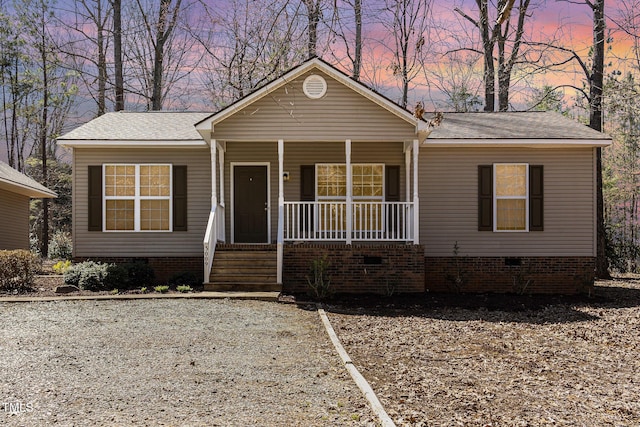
(315, 164)
(16, 189)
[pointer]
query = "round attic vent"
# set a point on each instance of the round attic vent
(314, 86)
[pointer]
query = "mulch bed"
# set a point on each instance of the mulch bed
(493, 360)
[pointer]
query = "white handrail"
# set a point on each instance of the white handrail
(210, 240)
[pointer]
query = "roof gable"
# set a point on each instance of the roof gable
(314, 65)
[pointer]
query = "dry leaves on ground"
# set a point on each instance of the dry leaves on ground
(567, 363)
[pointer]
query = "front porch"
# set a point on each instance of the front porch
(340, 203)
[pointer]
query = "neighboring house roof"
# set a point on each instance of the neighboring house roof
(205, 125)
(156, 128)
(16, 182)
(522, 126)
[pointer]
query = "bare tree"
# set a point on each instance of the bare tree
(407, 22)
(495, 29)
(254, 43)
(346, 26)
(314, 15)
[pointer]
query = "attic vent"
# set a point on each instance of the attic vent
(314, 86)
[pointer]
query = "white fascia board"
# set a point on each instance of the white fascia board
(523, 143)
(206, 126)
(196, 143)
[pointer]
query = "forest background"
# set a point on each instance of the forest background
(64, 62)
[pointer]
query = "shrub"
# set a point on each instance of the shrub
(184, 288)
(87, 275)
(161, 288)
(319, 280)
(138, 273)
(184, 278)
(60, 246)
(18, 269)
(117, 277)
(61, 266)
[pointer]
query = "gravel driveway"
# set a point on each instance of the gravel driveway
(171, 362)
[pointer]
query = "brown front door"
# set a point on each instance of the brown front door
(250, 204)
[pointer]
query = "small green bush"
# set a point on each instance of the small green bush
(117, 277)
(184, 288)
(161, 288)
(60, 246)
(87, 275)
(188, 278)
(18, 269)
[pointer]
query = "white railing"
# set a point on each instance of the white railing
(370, 221)
(215, 232)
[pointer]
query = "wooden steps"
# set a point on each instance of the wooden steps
(248, 270)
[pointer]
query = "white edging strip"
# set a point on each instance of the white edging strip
(355, 374)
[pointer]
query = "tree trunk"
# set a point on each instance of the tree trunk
(117, 54)
(102, 62)
(44, 244)
(357, 59)
(595, 122)
(313, 15)
(487, 46)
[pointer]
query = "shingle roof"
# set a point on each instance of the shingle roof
(147, 126)
(19, 183)
(513, 125)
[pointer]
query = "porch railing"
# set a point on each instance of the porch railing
(327, 220)
(214, 233)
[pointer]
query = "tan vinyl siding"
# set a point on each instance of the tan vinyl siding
(148, 244)
(14, 220)
(288, 114)
(303, 153)
(449, 203)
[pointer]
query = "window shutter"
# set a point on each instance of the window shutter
(485, 198)
(536, 204)
(179, 198)
(307, 183)
(392, 184)
(95, 198)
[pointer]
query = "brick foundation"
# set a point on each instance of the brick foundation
(380, 269)
(163, 267)
(542, 275)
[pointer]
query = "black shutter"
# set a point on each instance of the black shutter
(95, 198)
(392, 183)
(307, 194)
(307, 183)
(179, 198)
(485, 198)
(536, 204)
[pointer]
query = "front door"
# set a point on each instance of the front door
(250, 204)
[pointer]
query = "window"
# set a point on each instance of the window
(137, 197)
(510, 197)
(367, 186)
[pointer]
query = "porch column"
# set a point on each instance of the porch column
(349, 213)
(214, 189)
(280, 242)
(416, 199)
(222, 147)
(407, 172)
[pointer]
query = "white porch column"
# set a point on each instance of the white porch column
(407, 172)
(214, 187)
(280, 242)
(349, 213)
(416, 198)
(221, 149)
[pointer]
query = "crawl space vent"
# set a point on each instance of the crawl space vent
(314, 86)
